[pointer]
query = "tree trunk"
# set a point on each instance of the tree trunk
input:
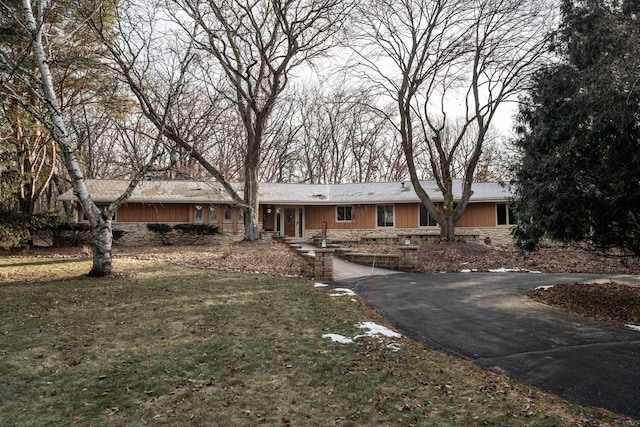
(251, 229)
(447, 228)
(101, 227)
(103, 239)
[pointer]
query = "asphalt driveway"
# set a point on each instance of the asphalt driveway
(486, 318)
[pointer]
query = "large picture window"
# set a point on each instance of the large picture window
(426, 220)
(505, 214)
(344, 213)
(385, 216)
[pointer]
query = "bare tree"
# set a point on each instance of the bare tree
(257, 44)
(446, 62)
(342, 137)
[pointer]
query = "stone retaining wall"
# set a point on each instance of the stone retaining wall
(137, 234)
(497, 236)
(406, 261)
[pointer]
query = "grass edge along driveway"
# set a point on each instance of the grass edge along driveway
(172, 345)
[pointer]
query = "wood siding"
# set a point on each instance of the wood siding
(362, 217)
(406, 215)
(143, 212)
(478, 215)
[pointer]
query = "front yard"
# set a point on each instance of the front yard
(170, 344)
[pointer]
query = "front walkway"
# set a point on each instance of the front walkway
(342, 269)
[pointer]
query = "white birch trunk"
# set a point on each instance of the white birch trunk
(100, 223)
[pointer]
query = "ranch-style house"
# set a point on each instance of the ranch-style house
(301, 210)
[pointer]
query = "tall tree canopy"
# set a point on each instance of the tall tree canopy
(448, 65)
(579, 132)
(31, 79)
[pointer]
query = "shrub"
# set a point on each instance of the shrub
(194, 229)
(162, 230)
(16, 227)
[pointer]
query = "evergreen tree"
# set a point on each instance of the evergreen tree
(579, 132)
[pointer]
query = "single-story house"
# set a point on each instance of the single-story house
(301, 210)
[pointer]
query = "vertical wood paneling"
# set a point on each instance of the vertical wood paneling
(362, 217)
(478, 215)
(145, 212)
(406, 215)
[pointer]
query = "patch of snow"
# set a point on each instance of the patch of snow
(320, 285)
(375, 329)
(504, 270)
(393, 346)
(535, 272)
(339, 292)
(466, 270)
(338, 338)
(544, 288)
(634, 327)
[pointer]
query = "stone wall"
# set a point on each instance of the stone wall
(497, 236)
(137, 234)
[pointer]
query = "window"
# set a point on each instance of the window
(385, 216)
(213, 214)
(505, 214)
(227, 212)
(197, 213)
(344, 213)
(426, 220)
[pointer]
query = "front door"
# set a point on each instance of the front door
(290, 222)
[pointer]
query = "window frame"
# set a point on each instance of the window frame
(195, 211)
(393, 216)
(344, 210)
(215, 219)
(509, 217)
(228, 214)
(431, 222)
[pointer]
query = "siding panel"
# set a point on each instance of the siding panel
(478, 215)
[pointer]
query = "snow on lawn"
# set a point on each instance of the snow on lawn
(373, 330)
(338, 338)
(634, 327)
(340, 292)
(320, 285)
(343, 292)
(544, 288)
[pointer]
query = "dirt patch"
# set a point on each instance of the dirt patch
(614, 303)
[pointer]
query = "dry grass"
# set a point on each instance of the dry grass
(181, 346)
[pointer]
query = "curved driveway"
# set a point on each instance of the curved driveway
(486, 318)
